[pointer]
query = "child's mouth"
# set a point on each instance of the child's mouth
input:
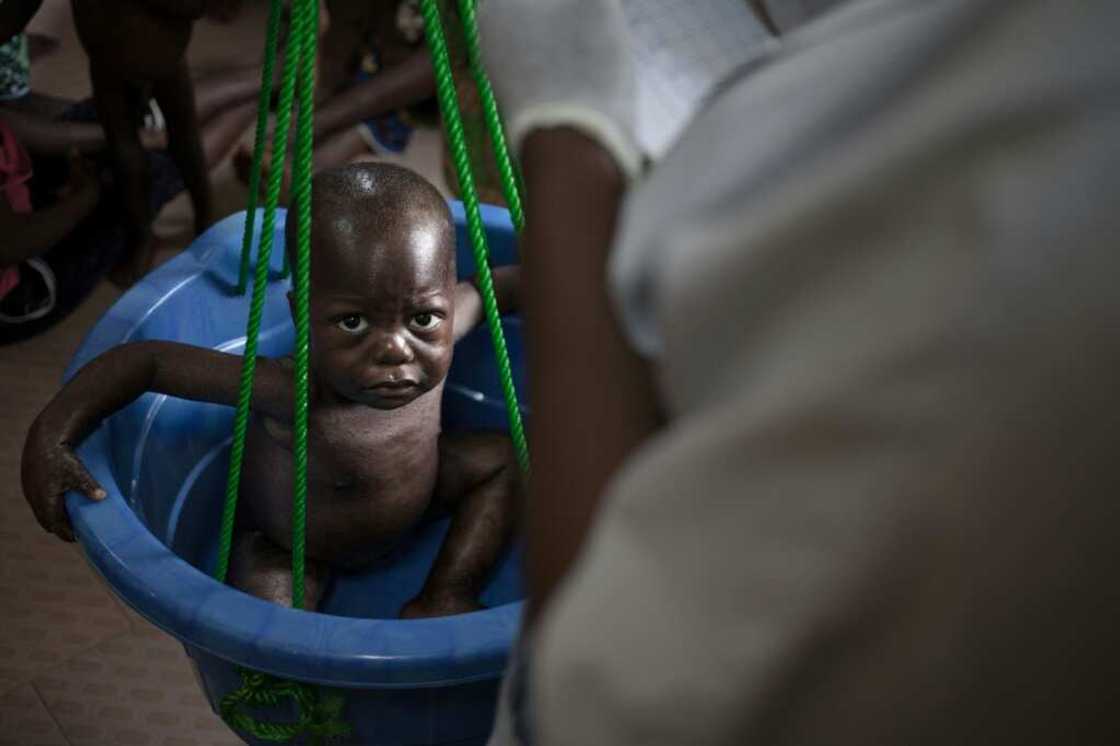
(393, 389)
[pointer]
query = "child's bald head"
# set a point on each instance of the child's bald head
(373, 201)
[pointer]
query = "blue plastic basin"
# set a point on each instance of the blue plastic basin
(163, 462)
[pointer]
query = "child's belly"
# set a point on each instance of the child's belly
(353, 516)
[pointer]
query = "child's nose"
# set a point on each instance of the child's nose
(392, 349)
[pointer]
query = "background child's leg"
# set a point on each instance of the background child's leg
(216, 92)
(263, 569)
(222, 132)
(175, 96)
(130, 169)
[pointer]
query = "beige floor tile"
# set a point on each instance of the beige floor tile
(24, 721)
(138, 689)
(54, 607)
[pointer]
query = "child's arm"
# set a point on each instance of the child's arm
(469, 311)
(45, 136)
(112, 381)
(30, 234)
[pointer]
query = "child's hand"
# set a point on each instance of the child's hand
(50, 469)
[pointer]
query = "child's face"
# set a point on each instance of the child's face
(382, 308)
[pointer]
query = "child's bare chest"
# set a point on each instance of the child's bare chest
(371, 475)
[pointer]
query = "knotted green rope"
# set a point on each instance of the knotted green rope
(453, 125)
(318, 713)
(490, 113)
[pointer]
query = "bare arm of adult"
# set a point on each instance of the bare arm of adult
(112, 381)
(584, 377)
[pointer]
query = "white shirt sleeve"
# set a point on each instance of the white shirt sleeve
(682, 48)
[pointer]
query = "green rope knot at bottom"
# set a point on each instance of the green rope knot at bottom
(318, 713)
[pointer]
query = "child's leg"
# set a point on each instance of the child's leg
(263, 569)
(338, 150)
(215, 93)
(478, 480)
(130, 168)
(175, 96)
(221, 133)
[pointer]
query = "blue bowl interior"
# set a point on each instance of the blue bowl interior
(170, 456)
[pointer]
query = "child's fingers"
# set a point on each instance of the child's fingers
(79, 479)
(76, 478)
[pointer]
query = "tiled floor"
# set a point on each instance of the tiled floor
(76, 666)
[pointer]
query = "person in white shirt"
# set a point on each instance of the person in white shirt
(824, 447)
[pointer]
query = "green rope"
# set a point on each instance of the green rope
(318, 714)
(449, 106)
(256, 306)
(301, 181)
(490, 113)
(263, 102)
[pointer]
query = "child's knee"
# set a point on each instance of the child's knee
(262, 569)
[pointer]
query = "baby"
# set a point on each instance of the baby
(385, 314)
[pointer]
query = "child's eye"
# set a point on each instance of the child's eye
(355, 323)
(425, 321)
